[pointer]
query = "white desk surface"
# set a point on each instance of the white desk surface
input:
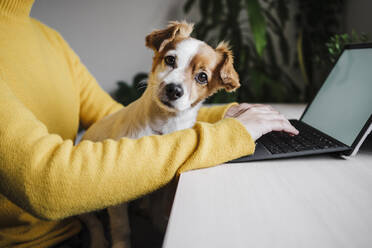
(314, 202)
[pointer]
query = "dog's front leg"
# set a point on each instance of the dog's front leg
(119, 226)
(95, 228)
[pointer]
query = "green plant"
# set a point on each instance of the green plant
(336, 43)
(315, 21)
(251, 29)
(127, 93)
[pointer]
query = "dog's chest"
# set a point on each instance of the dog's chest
(164, 126)
(177, 123)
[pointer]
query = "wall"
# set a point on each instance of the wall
(109, 35)
(359, 16)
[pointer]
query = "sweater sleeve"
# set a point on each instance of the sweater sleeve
(52, 179)
(95, 103)
(214, 113)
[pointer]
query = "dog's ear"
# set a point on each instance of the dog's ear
(159, 38)
(229, 77)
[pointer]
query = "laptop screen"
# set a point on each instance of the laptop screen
(344, 103)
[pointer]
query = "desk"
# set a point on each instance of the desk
(319, 201)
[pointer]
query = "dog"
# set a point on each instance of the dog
(185, 71)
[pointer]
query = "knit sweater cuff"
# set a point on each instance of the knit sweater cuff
(214, 114)
(235, 142)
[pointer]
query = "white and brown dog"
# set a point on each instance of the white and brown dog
(185, 72)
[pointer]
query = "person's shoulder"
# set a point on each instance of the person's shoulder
(53, 35)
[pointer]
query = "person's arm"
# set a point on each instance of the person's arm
(213, 114)
(52, 179)
(95, 103)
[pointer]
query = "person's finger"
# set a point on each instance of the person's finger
(262, 106)
(238, 112)
(278, 116)
(245, 105)
(233, 111)
(255, 111)
(271, 116)
(249, 109)
(282, 125)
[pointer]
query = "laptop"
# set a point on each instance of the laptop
(337, 120)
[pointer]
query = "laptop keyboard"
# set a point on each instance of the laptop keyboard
(307, 139)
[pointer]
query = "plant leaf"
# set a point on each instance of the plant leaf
(270, 51)
(204, 8)
(258, 24)
(283, 11)
(284, 48)
(187, 6)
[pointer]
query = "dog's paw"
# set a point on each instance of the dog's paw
(100, 243)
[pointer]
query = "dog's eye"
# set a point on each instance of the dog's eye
(170, 60)
(201, 78)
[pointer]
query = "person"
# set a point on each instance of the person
(46, 179)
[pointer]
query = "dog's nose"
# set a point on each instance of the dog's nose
(173, 91)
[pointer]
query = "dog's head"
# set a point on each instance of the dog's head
(185, 70)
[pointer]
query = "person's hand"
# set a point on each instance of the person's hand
(260, 119)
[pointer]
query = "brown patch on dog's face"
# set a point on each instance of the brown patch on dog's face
(218, 66)
(161, 41)
(158, 59)
(205, 61)
(158, 39)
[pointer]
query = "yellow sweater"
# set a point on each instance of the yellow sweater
(45, 179)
